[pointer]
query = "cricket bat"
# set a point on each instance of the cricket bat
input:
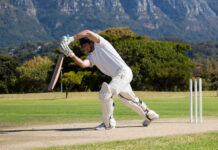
(57, 70)
(56, 73)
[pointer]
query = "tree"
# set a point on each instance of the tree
(71, 78)
(33, 74)
(156, 65)
(8, 73)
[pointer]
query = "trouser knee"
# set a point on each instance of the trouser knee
(105, 92)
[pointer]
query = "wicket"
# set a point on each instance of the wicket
(196, 82)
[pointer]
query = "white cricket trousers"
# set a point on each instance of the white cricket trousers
(121, 82)
(120, 86)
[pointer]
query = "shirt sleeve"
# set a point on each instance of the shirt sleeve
(91, 61)
(102, 41)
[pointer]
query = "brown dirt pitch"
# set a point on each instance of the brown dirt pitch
(28, 137)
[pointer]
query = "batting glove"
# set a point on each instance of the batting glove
(66, 40)
(66, 50)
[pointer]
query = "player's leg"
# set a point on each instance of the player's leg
(129, 99)
(123, 78)
(107, 107)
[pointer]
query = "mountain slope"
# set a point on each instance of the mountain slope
(40, 20)
(18, 25)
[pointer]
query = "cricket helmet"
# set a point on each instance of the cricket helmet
(84, 41)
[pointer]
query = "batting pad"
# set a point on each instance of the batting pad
(130, 100)
(107, 105)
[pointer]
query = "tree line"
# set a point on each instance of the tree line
(156, 66)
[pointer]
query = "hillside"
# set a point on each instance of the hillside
(40, 20)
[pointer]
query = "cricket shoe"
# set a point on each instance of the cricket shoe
(103, 127)
(151, 115)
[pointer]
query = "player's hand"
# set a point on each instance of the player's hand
(66, 40)
(66, 50)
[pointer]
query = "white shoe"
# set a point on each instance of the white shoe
(151, 115)
(103, 127)
(146, 123)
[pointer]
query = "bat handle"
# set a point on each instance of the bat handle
(68, 36)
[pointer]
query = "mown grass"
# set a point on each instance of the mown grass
(201, 141)
(19, 109)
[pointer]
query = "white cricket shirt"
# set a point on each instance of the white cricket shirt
(106, 58)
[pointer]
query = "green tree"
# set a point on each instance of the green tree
(71, 78)
(156, 65)
(207, 69)
(33, 74)
(8, 73)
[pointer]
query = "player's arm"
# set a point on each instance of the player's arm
(89, 34)
(85, 33)
(69, 53)
(82, 63)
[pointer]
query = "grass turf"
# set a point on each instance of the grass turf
(19, 109)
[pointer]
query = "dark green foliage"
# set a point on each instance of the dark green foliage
(173, 39)
(71, 78)
(204, 56)
(204, 49)
(156, 65)
(8, 73)
(207, 69)
(33, 75)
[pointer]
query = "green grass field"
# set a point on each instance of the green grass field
(19, 109)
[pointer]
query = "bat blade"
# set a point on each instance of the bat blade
(56, 73)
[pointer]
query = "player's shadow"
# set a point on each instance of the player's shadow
(45, 130)
(82, 129)
(131, 127)
(61, 130)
